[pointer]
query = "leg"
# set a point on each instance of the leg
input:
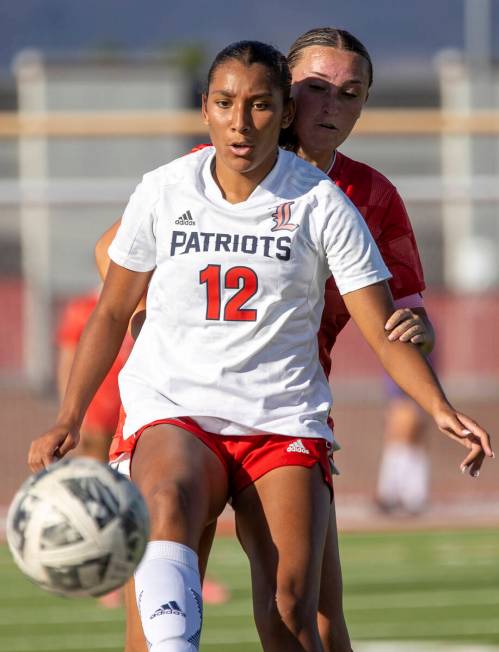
(185, 490)
(331, 620)
(282, 522)
(134, 634)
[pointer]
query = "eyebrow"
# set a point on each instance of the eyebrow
(322, 76)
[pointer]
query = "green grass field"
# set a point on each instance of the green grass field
(416, 586)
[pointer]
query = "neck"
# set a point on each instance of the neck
(319, 159)
(237, 186)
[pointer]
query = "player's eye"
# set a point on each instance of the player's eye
(261, 106)
(223, 104)
(350, 94)
(317, 87)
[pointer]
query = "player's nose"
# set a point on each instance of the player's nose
(241, 118)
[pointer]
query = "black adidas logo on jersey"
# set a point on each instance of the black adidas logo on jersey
(186, 219)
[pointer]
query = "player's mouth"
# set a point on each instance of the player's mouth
(241, 148)
(328, 125)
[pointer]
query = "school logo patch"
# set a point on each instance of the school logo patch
(282, 218)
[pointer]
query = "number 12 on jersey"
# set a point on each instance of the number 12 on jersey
(242, 279)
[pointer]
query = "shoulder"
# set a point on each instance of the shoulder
(359, 172)
(302, 178)
(179, 171)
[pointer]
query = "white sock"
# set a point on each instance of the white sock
(404, 476)
(389, 475)
(168, 591)
(414, 490)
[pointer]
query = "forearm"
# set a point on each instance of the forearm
(408, 367)
(371, 307)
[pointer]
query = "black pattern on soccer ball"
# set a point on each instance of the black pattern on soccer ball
(78, 577)
(96, 497)
(59, 533)
(20, 521)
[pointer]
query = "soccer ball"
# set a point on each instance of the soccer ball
(78, 528)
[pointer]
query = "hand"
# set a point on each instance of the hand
(407, 326)
(469, 434)
(52, 446)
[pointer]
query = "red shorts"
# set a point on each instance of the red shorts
(245, 457)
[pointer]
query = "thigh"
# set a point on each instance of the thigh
(281, 523)
(184, 483)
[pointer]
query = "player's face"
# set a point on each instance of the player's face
(245, 111)
(330, 87)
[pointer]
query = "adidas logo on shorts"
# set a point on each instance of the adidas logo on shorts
(186, 220)
(297, 447)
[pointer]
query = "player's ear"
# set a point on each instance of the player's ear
(288, 113)
(204, 111)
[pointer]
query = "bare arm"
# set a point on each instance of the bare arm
(102, 260)
(370, 308)
(65, 358)
(96, 351)
(101, 256)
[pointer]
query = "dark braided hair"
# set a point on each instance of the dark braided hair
(249, 52)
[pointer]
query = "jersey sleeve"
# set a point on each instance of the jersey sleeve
(398, 247)
(134, 245)
(353, 257)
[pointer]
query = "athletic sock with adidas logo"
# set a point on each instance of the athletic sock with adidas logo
(168, 591)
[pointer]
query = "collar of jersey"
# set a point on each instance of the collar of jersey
(265, 190)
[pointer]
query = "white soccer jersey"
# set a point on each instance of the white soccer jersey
(235, 302)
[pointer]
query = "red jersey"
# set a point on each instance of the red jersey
(103, 412)
(385, 214)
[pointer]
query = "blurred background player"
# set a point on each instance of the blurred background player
(404, 471)
(101, 417)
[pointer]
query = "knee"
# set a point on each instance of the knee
(169, 502)
(297, 613)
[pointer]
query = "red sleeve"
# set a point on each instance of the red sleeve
(72, 322)
(397, 244)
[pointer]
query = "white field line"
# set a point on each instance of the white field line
(219, 638)
(408, 646)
